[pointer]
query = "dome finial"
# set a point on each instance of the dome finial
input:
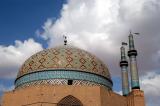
(65, 39)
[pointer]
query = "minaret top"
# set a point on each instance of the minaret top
(124, 43)
(123, 61)
(131, 40)
(123, 57)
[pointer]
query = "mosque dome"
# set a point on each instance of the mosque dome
(63, 65)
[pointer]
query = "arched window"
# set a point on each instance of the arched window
(69, 101)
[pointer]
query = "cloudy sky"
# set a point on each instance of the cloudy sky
(98, 26)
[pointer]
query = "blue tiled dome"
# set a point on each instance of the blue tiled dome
(58, 65)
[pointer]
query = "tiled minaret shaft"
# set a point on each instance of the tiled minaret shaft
(124, 72)
(132, 53)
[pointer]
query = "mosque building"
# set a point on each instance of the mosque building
(69, 76)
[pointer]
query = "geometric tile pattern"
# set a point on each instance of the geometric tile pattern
(62, 76)
(64, 57)
(59, 82)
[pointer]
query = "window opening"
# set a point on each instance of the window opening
(70, 82)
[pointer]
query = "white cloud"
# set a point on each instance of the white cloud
(13, 56)
(100, 26)
(119, 92)
(150, 85)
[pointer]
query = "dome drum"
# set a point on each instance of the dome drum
(66, 75)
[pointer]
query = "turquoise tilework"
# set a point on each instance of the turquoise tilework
(63, 74)
(135, 83)
(125, 91)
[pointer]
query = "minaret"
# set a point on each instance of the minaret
(132, 53)
(124, 71)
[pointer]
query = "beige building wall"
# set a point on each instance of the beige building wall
(47, 95)
(109, 98)
(136, 98)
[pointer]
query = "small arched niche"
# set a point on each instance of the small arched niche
(69, 101)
